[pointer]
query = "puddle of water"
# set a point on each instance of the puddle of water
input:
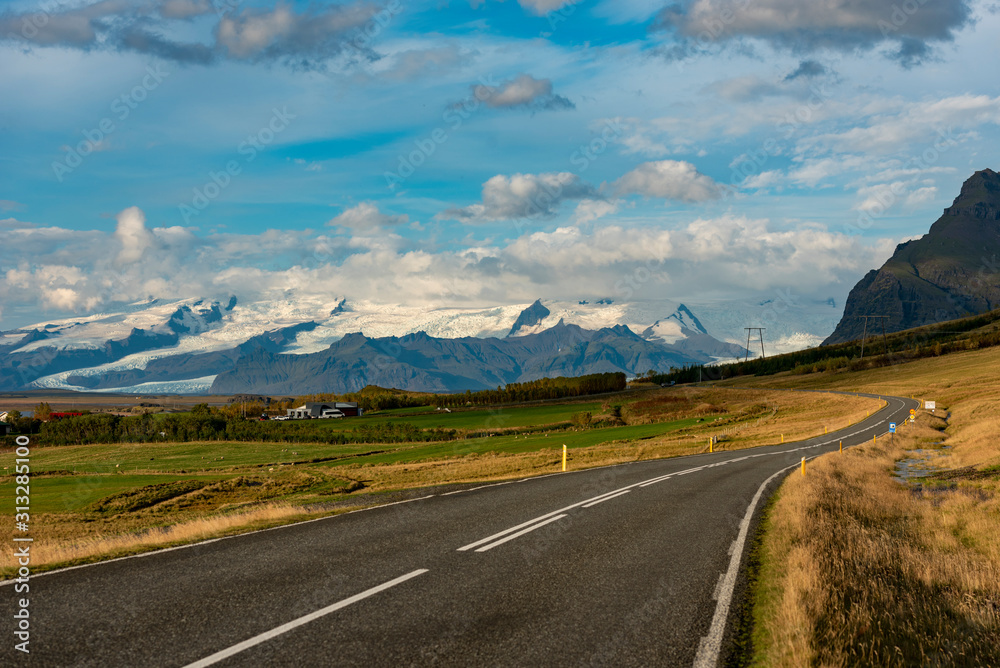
(919, 465)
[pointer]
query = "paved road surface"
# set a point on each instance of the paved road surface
(630, 565)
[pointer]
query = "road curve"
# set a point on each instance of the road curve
(628, 565)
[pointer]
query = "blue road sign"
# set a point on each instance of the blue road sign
(892, 427)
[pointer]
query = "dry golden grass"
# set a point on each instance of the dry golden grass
(65, 538)
(860, 569)
(86, 549)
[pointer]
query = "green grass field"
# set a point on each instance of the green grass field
(98, 500)
(63, 494)
(79, 475)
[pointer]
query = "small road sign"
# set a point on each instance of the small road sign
(913, 411)
(892, 427)
(930, 406)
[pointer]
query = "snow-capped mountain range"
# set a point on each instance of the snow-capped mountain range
(182, 346)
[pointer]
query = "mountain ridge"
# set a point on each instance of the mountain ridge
(423, 363)
(949, 273)
(182, 347)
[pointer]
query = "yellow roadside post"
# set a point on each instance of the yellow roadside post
(564, 456)
(841, 446)
(803, 466)
(711, 442)
(782, 438)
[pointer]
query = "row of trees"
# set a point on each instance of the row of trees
(373, 398)
(560, 387)
(212, 426)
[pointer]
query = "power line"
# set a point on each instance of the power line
(760, 331)
(864, 334)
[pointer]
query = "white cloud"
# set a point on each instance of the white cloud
(523, 90)
(729, 256)
(132, 235)
(591, 209)
(880, 197)
(669, 179)
(366, 216)
(911, 125)
(763, 180)
(523, 196)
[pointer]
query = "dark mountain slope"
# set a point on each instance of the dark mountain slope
(951, 272)
(424, 363)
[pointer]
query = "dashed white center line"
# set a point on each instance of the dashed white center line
(520, 533)
(506, 535)
(607, 498)
(295, 623)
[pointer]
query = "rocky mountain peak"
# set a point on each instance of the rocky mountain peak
(529, 317)
(951, 272)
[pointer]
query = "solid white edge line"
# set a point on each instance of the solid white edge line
(520, 533)
(607, 498)
(711, 644)
(597, 499)
(295, 623)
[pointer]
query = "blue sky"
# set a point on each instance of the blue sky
(482, 152)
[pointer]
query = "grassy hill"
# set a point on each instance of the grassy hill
(889, 554)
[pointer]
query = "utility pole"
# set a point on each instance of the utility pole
(760, 332)
(864, 334)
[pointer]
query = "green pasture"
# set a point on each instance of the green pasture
(70, 478)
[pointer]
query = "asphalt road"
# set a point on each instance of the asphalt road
(629, 565)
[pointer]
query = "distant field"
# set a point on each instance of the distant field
(472, 419)
(93, 500)
(91, 472)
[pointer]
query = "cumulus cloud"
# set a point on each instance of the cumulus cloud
(132, 234)
(523, 196)
(262, 34)
(523, 91)
(809, 26)
(669, 179)
(72, 271)
(366, 216)
(277, 34)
